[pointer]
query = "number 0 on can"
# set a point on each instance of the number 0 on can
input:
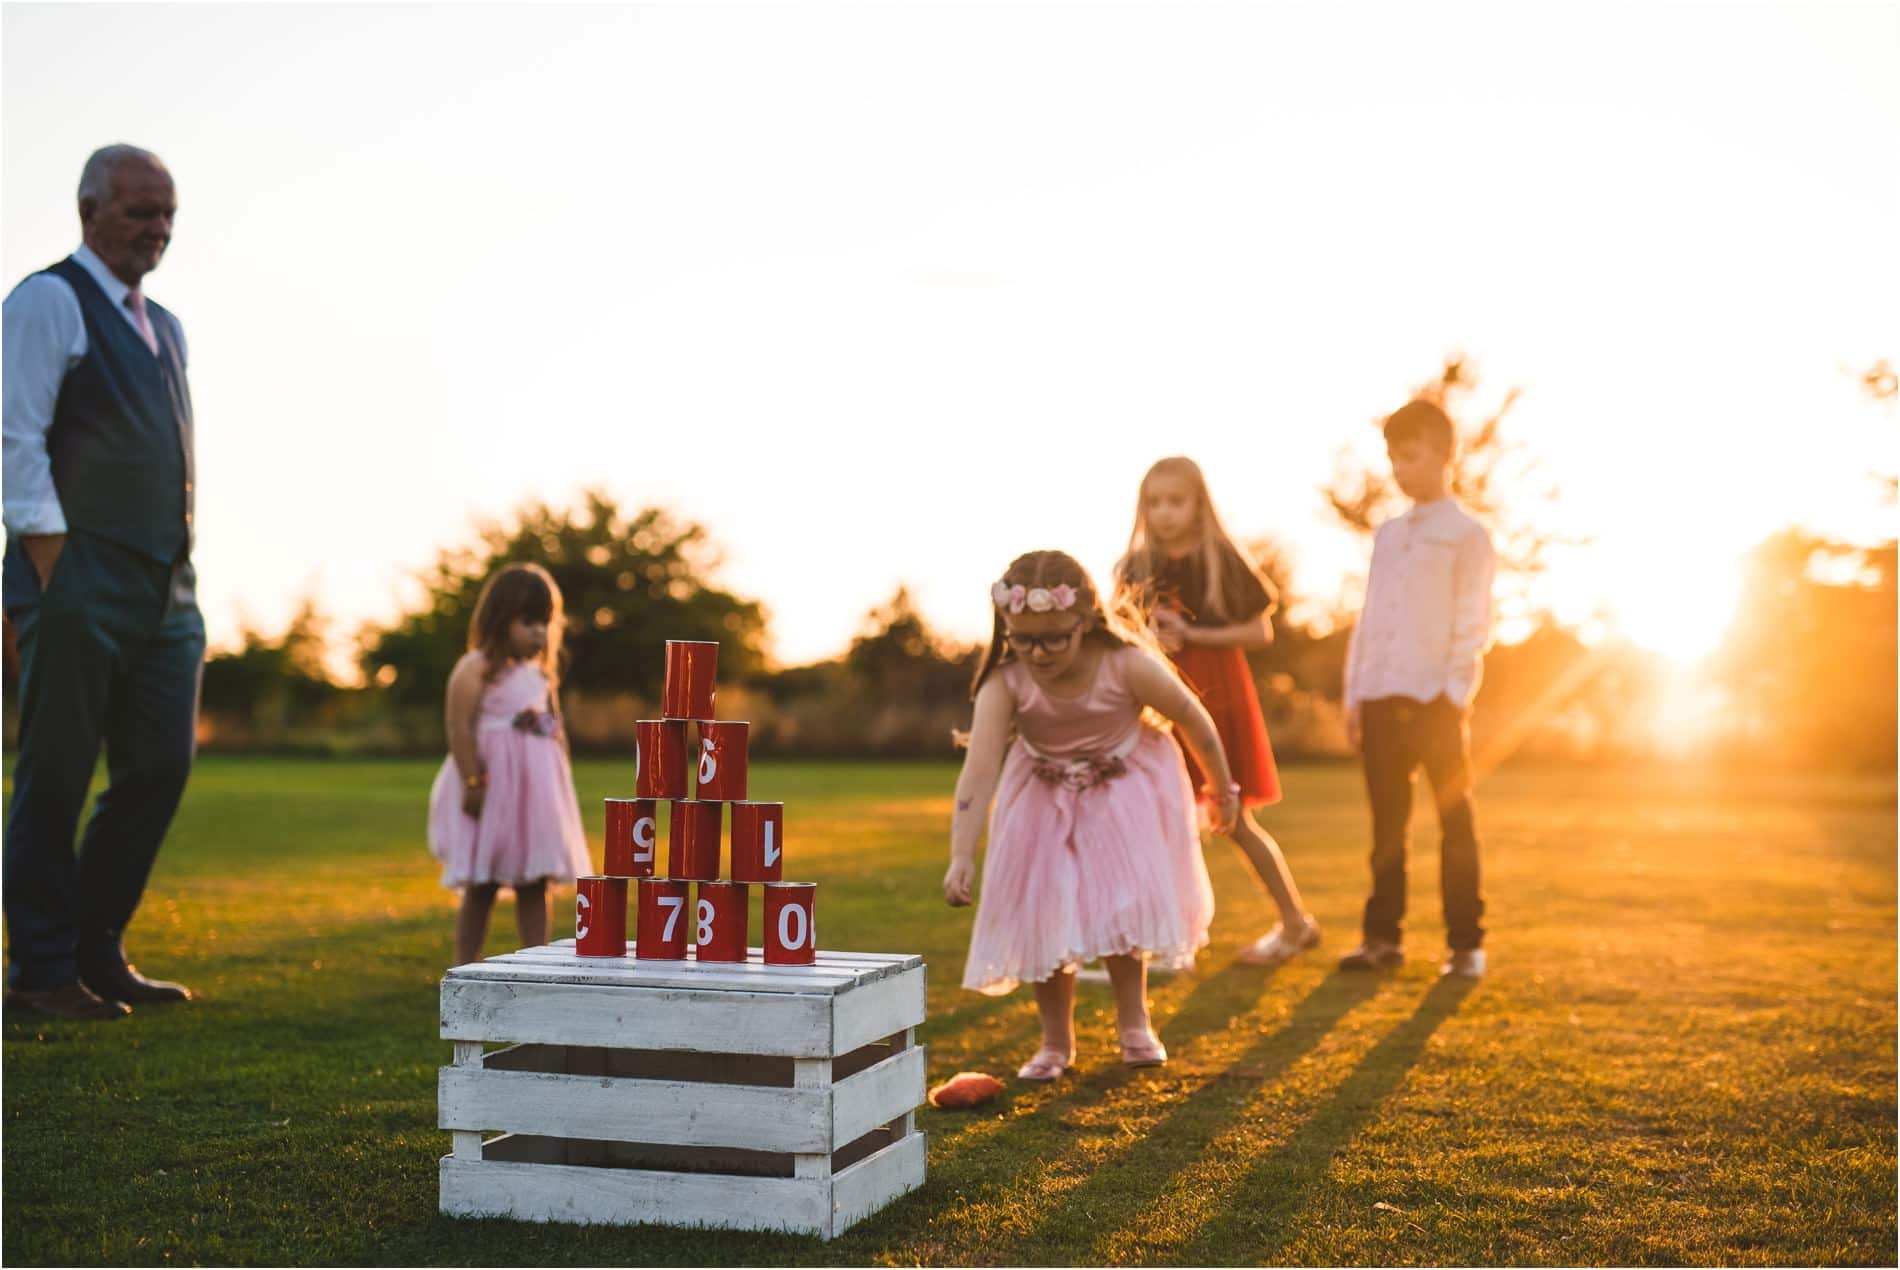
(791, 934)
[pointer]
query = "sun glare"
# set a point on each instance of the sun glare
(1679, 611)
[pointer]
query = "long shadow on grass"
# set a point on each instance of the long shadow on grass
(1213, 1003)
(1211, 1007)
(1279, 1184)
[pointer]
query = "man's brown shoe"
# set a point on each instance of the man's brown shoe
(68, 1001)
(122, 982)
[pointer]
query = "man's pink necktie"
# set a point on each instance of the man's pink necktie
(135, 301)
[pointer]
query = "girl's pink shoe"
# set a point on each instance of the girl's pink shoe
(1047, 1065)
(1143, 1049)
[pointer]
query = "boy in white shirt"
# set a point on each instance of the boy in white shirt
(1412, 669)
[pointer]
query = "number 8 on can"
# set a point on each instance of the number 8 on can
(719, 933)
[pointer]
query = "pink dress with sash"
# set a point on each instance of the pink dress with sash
(1094, 848)
(530, 826)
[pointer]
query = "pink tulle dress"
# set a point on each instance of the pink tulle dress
(1094, 848)
(530, 826)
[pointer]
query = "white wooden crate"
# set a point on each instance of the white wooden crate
(685, 1093)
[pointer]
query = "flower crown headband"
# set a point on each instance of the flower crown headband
(1014, 599)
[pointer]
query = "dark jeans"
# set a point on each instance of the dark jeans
(108, 656)
(1399, 734)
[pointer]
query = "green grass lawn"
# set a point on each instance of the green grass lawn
(1684, 1051)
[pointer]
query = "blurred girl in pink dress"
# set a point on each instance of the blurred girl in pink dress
(1094, 849)
(502, 811)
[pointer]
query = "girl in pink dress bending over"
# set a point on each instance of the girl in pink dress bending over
(502, 811)
(1094, 849)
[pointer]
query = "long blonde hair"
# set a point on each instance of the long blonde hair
(1225, 564)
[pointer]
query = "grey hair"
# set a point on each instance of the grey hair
(95, 181)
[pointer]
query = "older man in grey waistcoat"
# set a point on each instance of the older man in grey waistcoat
(98, 585)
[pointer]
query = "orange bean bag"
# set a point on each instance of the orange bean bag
(966, 1089)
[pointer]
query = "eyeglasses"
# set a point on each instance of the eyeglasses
(1058, 643)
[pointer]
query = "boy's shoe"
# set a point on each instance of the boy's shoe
(1277, 946)
(1046, 1066)
(1466, 963)
(1374, 954)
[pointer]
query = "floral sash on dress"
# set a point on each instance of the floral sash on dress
(1084, 772)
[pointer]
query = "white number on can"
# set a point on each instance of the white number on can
(580, 916)
(708, 765)
(787, 940)
(673, 904)
(771, 847)
(705, 923)
(645, 833)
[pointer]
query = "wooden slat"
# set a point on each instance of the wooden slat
(875, 1181)
(696, 971)
(556, 1192)
(814, 1075)
(878, 1010)
(796, 1024)
(865, 966)
(910, 1115)
(876, 1095)
(756, 956)
(753, 969)
(610, 1109)
(644, 977)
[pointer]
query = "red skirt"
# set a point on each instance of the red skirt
(1219, 676)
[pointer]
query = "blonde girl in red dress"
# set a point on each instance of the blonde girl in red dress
(1208, 604)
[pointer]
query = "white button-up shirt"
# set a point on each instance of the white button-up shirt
(44, 336)
(1427, 616)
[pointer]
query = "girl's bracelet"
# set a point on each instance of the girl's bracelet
(475, 782)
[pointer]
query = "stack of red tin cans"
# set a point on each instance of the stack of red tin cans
(666, 920)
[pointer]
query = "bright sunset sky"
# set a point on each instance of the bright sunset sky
(893, 293)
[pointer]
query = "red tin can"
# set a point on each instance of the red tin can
(791, 935)
(633, 832)
(723, 914)
(758, 842)
(600, 917)
(659, 758)
(691, 668)
(719, 772)
(664, 919)
(693, 840)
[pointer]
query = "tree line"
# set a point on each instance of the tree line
(1806, 673)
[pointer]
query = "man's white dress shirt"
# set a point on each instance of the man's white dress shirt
(1427, 616)
(44, 335)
